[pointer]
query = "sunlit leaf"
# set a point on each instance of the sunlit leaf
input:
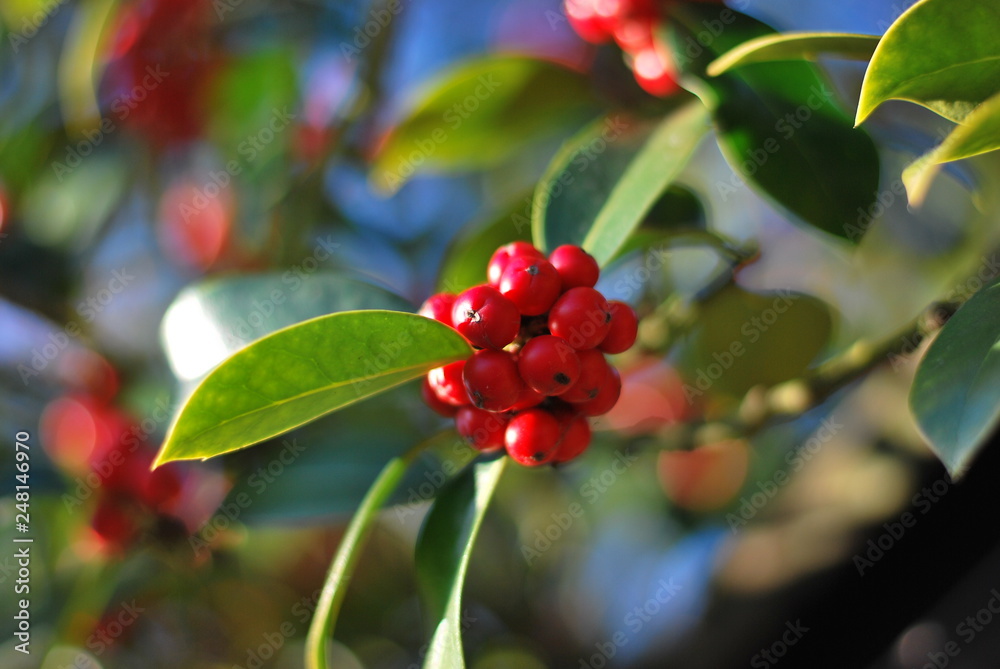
(795, 45)
(297, 374)
(978, 134)
(942, 54)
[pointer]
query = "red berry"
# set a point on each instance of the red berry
(485, 317)
(654, 73)
(114, 525)
(438, 307)
(581, 316)
(593, 20)
(594, 369)
(549, 365)
(532, 437)
(447, 383)
(432, 400)
(606, 397)
(528, 398)
(576, 267)
(503, 255)
(483, 430)
(575, 435)
(532, 284)
(634, 33)
(491, 380)
(624, 327)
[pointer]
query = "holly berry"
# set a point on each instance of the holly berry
(594, 369)
(576, 267)
(532, 437)
(438, 307)
(503, 255)
(606, 396)
(447, 384)
(581, 316)
(492, 380)
(541, 331)
(549, 365)
(432, 400)
(484, 430)
(654, 73)
(624, 328)
(532, 284)
(575, 436)
(485, 317)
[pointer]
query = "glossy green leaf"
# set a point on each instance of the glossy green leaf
(955, 396)
(942, 54)
(601, 185)
(468, 255)
(779, 124)
(211, 320)
(793, 46)
(742, 339)
(442, 557)
(479, 114)
(299, 373)
(978, 134)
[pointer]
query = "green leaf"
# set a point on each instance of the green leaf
(468, 255)
(209, 321)
(742, 339)
(479, 114)
(779, 124)
(793, 46)
(301, 372)
(978, 134)
(604, 181)
(442, 556)
(955, 395)
(941, 54)
(346, 558)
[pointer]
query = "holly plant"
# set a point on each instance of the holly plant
(520, 345)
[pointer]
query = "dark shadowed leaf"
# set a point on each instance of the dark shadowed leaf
(442, 556)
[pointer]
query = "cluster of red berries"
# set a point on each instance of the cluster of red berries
(539, 371)
(631, 24)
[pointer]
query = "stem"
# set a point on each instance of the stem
(348, 552)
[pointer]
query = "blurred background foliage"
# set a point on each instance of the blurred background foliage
(228, 161)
